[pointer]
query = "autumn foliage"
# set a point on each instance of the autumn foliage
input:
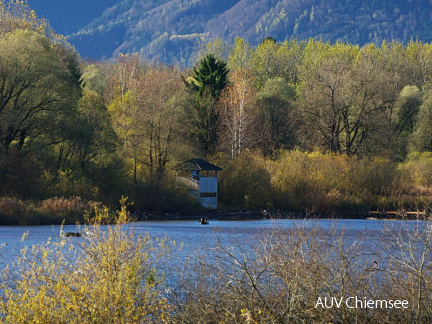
(305, 126)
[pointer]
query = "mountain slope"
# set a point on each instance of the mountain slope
(66, 17)
(171, 30)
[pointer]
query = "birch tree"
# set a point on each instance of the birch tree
(238, 113)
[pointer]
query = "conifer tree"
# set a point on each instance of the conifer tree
(208, 81)
(210, 77)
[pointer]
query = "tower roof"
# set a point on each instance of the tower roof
(197, 164)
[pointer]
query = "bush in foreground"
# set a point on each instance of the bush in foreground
(281, 276)
(108, 277)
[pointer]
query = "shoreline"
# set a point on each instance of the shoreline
(255, 215)
(212, 215)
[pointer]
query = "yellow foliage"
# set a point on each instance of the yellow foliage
(102, 278)
(18, 15)
(325, 182)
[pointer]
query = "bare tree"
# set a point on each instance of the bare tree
(239, 116)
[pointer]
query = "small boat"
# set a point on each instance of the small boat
(72, 234)
(203, 221)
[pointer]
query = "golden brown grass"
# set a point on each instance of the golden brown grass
(56, 210)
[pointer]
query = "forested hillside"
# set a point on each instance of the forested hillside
(296, 125)
(66, 17)
(172, 30)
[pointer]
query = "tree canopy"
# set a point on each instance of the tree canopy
(103, 129)
(38, 88)
(211, 76)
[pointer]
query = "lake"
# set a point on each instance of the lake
(314, 258)
(197, 237)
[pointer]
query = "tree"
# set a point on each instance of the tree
(406, 109)
(421, 138)
(240, 55)
(95, 76)
(38, 89)
(207, 82)
(371, 95)
(419, 64)
(272, 60)
(94, 135)
(238, 115)
(17, 14)
(202, 120)
(157, 118)
(293, 57)
(326, 74)
(122, 106)
(210, 77)
(278, 118)
(347, 96)
(143, 110)
(218, 48)
(267, 61)
(405, 116)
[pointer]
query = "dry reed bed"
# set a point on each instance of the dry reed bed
(56, 210)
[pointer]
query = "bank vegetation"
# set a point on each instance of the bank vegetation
(300, 125)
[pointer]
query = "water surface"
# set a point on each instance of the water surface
(196, 237)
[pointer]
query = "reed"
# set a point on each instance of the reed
(56, 210)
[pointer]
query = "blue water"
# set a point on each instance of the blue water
(194, 237)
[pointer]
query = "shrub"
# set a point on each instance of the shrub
(245, 182)
(115, 276)
(12, 211)
(280, 276)
(110, 276)
(161, 193)
(67, 210)
(331, 183)
(413, 188)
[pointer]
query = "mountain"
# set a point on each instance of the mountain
(171, 30)
(66, 17)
